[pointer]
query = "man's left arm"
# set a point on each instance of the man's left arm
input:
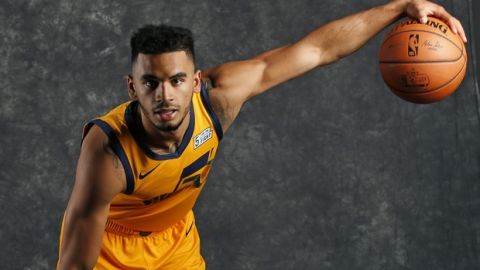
(236, 82)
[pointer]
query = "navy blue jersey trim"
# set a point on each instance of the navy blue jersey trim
(196, 165)
(117, 149)
(208, 106)
(135, 130)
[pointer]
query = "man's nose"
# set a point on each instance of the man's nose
(164, 92)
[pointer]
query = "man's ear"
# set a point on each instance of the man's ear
(197, 81)
(131, 88)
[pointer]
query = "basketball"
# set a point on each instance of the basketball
(423, 63)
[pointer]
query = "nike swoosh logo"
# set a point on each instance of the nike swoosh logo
(189, 229)
(141, 176)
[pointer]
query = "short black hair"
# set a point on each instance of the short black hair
(155, 39)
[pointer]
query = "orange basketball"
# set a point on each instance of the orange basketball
(423, 63)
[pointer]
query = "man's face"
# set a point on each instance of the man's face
(163, 84)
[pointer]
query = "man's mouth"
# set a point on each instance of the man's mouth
(166, 114)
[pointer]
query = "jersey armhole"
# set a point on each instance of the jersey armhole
(117, 149)
(206, 103)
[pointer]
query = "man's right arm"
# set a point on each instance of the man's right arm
(233, 83)
(99, 177)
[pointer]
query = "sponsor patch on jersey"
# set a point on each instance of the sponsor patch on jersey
(201, 138)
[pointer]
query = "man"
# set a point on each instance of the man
(143, 165)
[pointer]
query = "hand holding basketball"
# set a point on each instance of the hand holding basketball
(423, 60)
(423, 63)
(421, 9)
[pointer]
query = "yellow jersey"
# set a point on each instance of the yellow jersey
(161, 189)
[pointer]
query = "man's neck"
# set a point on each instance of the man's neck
(162, 142)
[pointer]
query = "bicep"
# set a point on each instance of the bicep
(242, 80)
(96, 183)
(234, 83)
(286, 63)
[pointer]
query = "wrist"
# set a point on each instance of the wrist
(399, 7)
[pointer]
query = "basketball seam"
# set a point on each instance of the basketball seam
(462, 53)
(391, 35)
(432, 90)
(420, 62)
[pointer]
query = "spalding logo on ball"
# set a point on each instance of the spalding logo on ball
(423, 63)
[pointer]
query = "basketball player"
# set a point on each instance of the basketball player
(143, 165)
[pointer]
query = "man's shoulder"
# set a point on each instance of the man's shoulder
(207, 83)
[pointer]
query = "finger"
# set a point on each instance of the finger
(417, 12)
(452, 22)
(453, 25)
(422, 17)
(457, 28)
(442, 14)
(461, 31)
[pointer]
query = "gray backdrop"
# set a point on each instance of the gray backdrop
(327, 171)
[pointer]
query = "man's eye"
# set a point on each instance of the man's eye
(177, 81)
(151, 84)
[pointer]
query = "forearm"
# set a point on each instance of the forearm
(344, 36)
(81, 240)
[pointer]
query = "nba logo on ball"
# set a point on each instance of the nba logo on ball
(413, 45)
(423, 63)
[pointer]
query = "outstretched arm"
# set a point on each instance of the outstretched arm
(234, 83)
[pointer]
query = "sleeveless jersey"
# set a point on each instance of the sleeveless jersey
(161, 189)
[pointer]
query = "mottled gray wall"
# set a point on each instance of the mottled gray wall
(475, 15)
(328, 171)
